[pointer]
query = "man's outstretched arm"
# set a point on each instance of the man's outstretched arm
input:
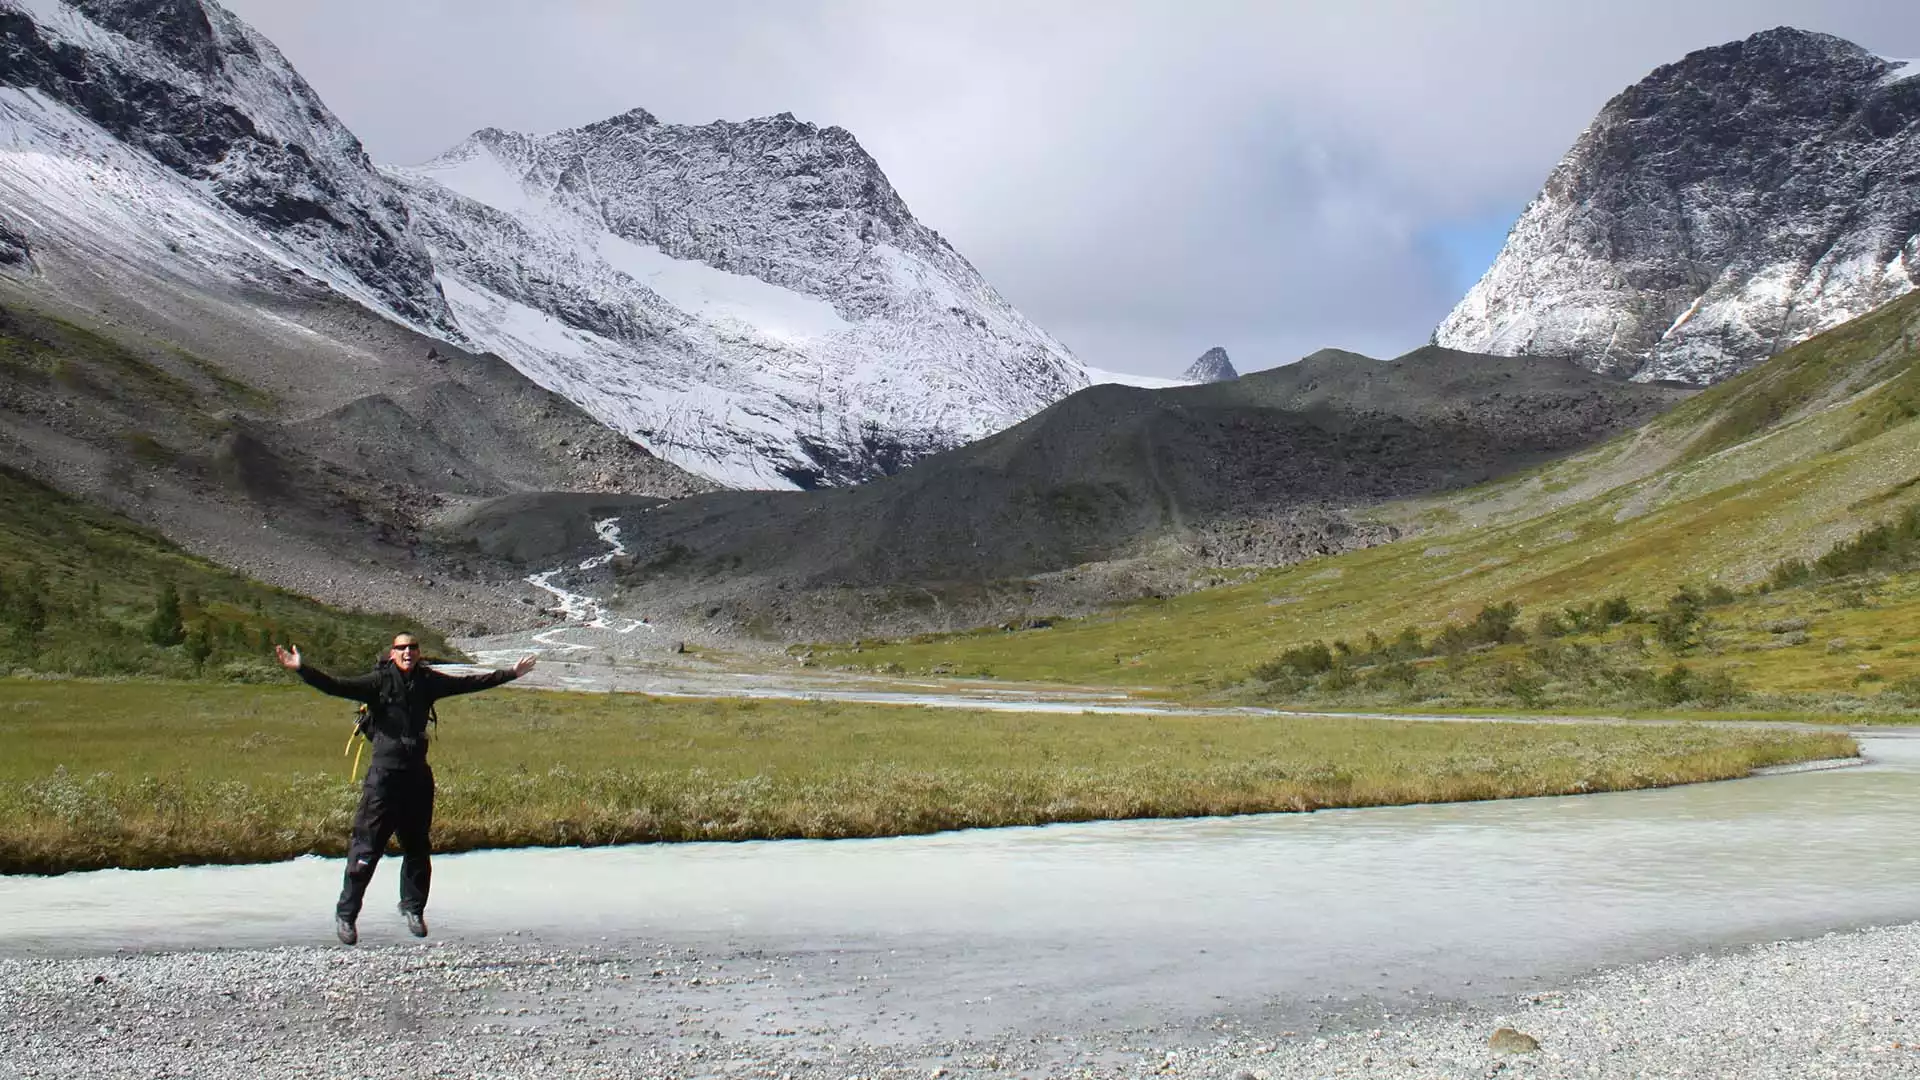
(354, 687)
(450, 685)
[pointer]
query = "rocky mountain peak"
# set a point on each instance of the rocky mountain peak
(1728, 205)
(1213, 366)
(749, 299)
(632, 118)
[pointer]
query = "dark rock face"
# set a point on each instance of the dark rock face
(1723, 208)
(1213, 366)
(178, 28)
(213, 102)
(14, 250)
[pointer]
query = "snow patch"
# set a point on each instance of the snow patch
(1097, 376)
(476, 172)
(1901, 71)
(707, 428)
(717, 295)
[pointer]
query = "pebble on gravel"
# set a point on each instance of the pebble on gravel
(1508, 1041)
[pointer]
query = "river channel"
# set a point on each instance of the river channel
(1128, 923)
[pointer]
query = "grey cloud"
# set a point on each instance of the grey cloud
(1145, 180)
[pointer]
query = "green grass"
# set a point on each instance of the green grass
(1783, 462)
(104, 774)
(79, 587)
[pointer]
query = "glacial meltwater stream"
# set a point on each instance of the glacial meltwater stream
(1127, 922)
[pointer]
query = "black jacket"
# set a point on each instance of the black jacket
(399, 704)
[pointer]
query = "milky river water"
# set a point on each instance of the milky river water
(1131, 921)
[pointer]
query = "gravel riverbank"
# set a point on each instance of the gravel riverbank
(1844, 1005)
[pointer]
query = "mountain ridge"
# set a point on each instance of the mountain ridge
(1270, 467)
(751, 299)
(1727, 205)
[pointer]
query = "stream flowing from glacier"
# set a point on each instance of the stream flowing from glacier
(581, 610)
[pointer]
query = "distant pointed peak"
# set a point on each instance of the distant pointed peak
(631, 120)
(1213, 366)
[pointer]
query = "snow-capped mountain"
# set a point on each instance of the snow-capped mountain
(166, 132)
(1213, 366)
(1723, 208)
(751, 301)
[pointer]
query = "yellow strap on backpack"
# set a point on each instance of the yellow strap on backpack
(356, 742)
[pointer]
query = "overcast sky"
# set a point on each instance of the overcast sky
(1144, 180)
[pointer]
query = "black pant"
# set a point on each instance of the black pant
(393, 802)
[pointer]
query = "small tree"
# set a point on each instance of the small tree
(199, 644)
(165, 627)
(30, 605)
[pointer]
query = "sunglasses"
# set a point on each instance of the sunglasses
(406, 648)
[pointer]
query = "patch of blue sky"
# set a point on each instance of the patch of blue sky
(1464, 248)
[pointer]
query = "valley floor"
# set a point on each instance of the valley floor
(1837, 1006)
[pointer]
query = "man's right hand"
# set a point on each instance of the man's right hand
(289, 658)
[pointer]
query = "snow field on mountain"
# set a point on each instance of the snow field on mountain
(69, 181)
(676, 421)
(1098, 377)
(716, 295)
(688, 284)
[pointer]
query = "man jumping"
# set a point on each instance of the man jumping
(397, 797)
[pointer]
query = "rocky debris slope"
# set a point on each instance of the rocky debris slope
(752, 301)
(168, 131)
(316, 466)
(1213, 366)
(1261, 469)
(1724, 207)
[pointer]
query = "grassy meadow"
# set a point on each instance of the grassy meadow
(98, 774)
(1787, 462)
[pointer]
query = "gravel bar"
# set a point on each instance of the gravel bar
(1843, 1005)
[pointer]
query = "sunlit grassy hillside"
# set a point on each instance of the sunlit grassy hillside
(1783, 462)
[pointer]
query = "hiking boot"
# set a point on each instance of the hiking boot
(343, 929)
(416, 922)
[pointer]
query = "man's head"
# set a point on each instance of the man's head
(405, 651)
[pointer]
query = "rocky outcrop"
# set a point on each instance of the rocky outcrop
(187, 85)
(1213, 366)
(14, 249)
(1723, 208)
